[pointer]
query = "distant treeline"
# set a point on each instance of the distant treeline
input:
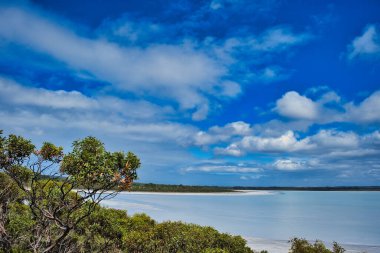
(150, 187)
(207, 189)
(177, 188)
(319, 188)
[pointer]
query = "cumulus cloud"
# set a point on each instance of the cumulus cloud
(326, 142)
(368, 44)
(287, 164)
(284, 143)
(296, 164)
(299, 107)
(332, 139)
(367, 111)
(293, 105)
(217, 134)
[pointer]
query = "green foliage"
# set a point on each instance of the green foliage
(9, 191)
(303, 246)
(337, 248)
(91, 166)
(110, 230)
(20, 225)
(20, 172)
(15, 220)
(113, 231)
(50, 152)
(102, 232)
(55, 211)
(215, 251)
(14, 150)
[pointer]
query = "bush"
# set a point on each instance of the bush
(303, 246)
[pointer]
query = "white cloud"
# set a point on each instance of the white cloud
(332, 139)
(367, 111)
(273, 73)
(278, 38)
(177, 72)
(272, 40)
(235, 128)
(261, 49)
(231, 150)
(131, 32)
(17, 94)
(215, 5)
(326, 142)
(201, 112)
(230, 89)
(217, 134)
(159, 143)
(329, 97)
(14, 94)
(47, 110)
(189, 73)
(372, 139)
(295, 164)
(250, 177)
(293, 105)
(288, 165)
(368, 44)
(284, 143)
(222, 167)
(298, 107)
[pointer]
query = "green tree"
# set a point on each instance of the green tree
(303, 246)
(46, 179)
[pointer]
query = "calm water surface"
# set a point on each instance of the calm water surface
(346, 217)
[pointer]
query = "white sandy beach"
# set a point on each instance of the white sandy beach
(235, 193)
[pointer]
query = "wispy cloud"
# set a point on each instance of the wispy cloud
(215, 166)
(176, 72)
(365, 45)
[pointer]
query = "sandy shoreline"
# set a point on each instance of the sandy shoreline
(235, 193)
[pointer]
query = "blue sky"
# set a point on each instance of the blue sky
(220, 92)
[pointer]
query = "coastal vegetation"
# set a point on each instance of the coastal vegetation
(62, 212)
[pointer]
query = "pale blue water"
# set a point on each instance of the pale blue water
(345, 217)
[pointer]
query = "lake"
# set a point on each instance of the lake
(270, 218)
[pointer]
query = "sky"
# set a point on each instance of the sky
(217, 92)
